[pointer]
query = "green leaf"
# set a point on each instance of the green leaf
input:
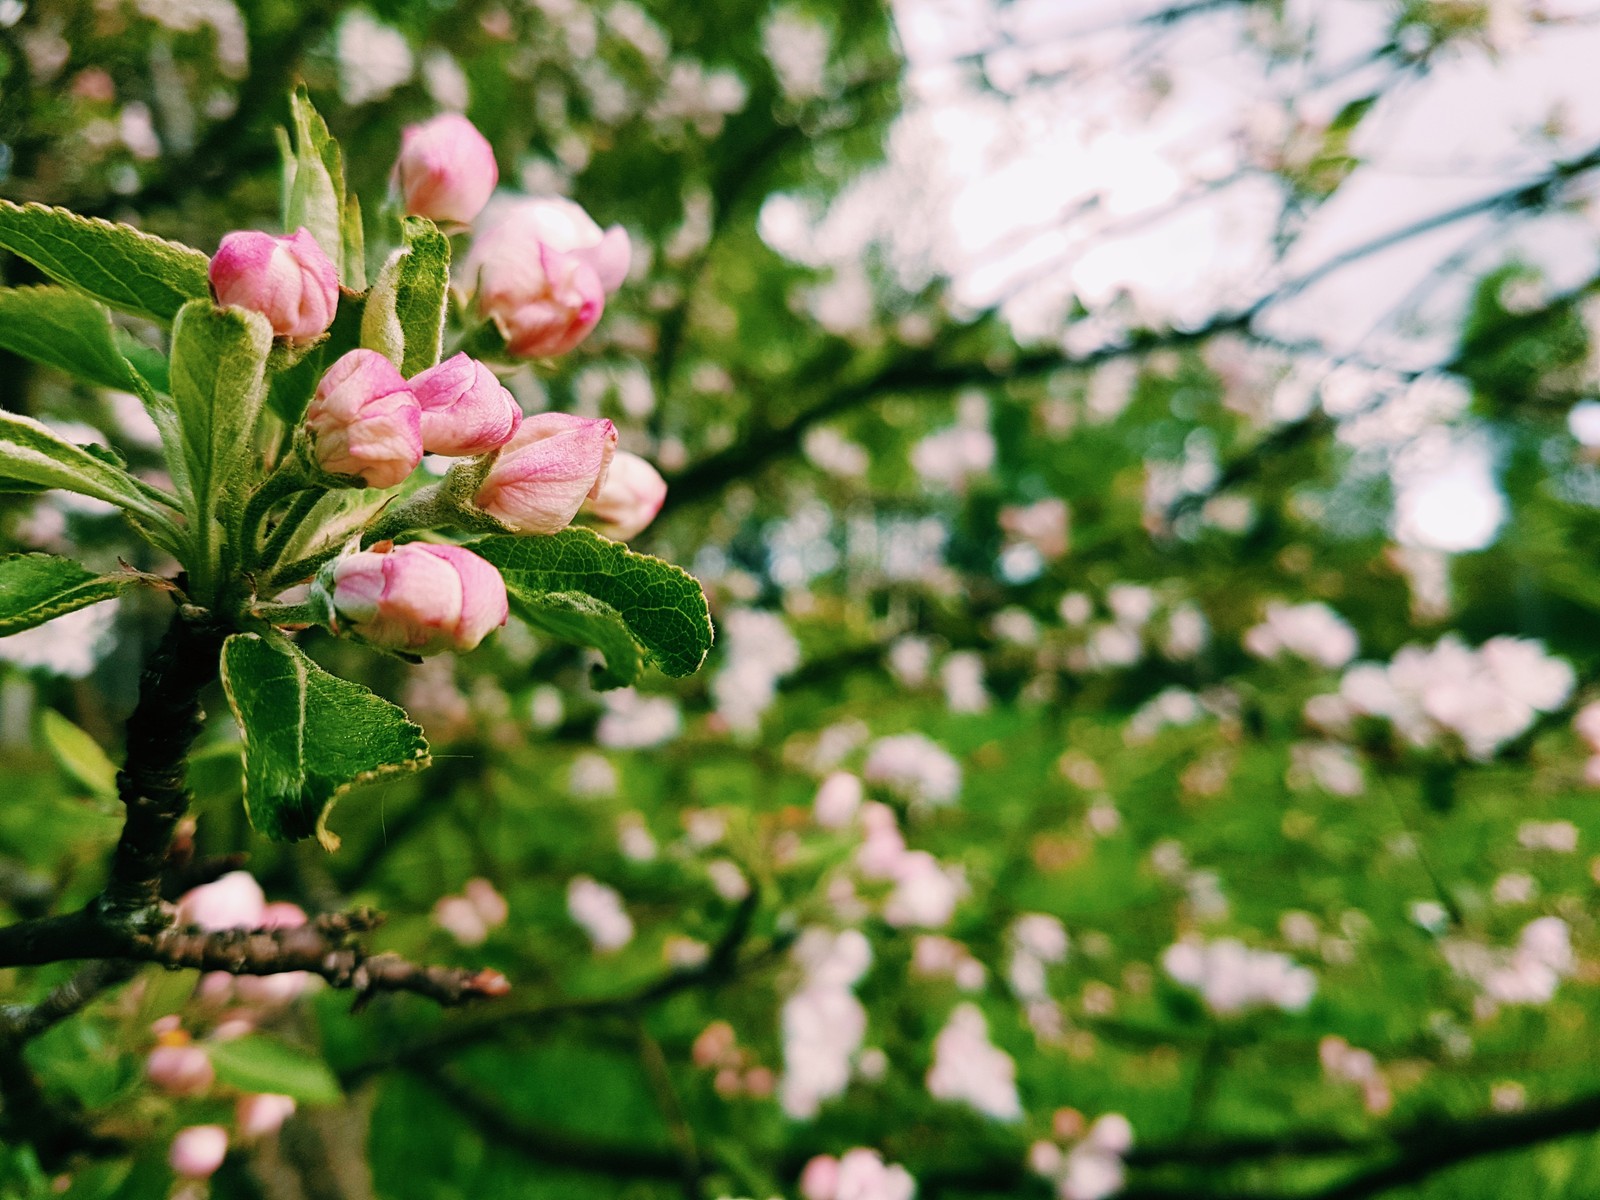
(130, 270)
(581, 587)
(35, 588)
(258, 1064)
(316, 192)
(65, 330)
(219, 361)
(404, 317)
(78, 755)
(32, 453)
(308, 736)
(355, 245)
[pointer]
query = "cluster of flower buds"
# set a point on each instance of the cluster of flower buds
(540, 270)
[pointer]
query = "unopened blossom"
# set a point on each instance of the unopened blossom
(198, 1151)
(180, 1068)
(446, 170)
(235, 901)
(541, 271)
(545, 472)
(420, 598)
(262, 1115)
(598, 910)
(971, 1070)
(629, 499)
(465, 408)
(364, 420)
(288, 280)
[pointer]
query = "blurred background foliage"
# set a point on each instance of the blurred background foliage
(1039, 542)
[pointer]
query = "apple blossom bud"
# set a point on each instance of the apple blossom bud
(262, 1115)
(234, 901)
(820, 1178)
(542, 271)
(630, 498)
(198, 1151)
(446, 169)
(465, 410)
(546, 471)
(288, 280)
(419, 597)
(180, 1070)
(364, 420)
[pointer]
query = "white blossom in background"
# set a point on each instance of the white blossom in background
(1231, 977)
(1092, 1168)
(1045, 525)
(949, 459)
(1331, 766)
(758, 651)
(374, 58)
(1346, 1063)
(934, 956)
(68, 646)
(970, 1069)
(1038, 941)
(797, 46)
(1313, 632)
(598, 910)
(1586, 724)
(925, 892)
(1187, 633)
(1527, 973)
(911, 660)
(727, 880)
(592, 777)
(1485, 697)
(226, 22)
(962, 676)
(915, 768)
(470, 916)
(637, 722)
(1171, 708)
(1558, 836)
(634, 838)
(823, 1022)
(838, 800)
(858, 1174)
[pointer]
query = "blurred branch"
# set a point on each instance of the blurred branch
(724, 963)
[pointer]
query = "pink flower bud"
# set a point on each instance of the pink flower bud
(365, 420)
(465, 410)
(288, 280)
(820, 1178)
(263, 1115)
(542, 271)
(547, 470)
(198, 1151)
(630, 498)
(446, 169)
(233, 902)
(420, 598)
(180, 1070)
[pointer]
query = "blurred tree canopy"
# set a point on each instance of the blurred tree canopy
(1166, 494)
